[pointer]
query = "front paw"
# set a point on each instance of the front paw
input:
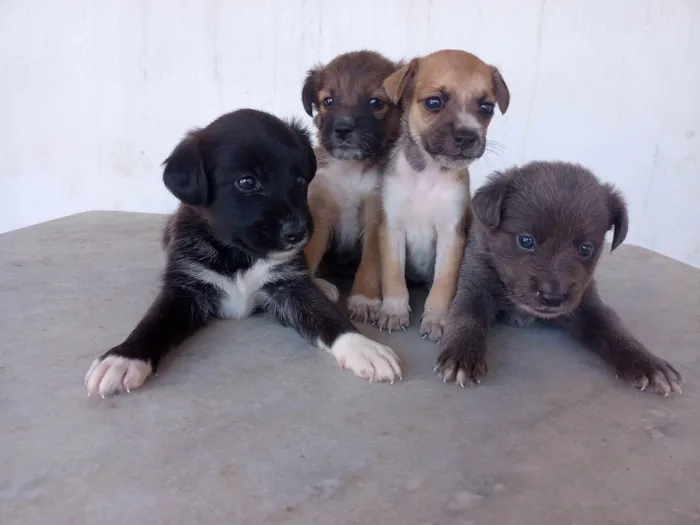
(366, 358)
(113, 374)
(394, 314)
(462, 365)
(363, 308)
(651, 374)
(329, 289)
(431, 325)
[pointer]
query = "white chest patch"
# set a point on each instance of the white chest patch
(241, 293)
(347, 183)
(420, 205)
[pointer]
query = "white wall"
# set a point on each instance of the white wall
(94, 94)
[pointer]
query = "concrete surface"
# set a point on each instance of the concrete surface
(249, 425)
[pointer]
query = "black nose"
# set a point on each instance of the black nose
(343, 127)
(465, 138)
(550, 294)
(293, 232)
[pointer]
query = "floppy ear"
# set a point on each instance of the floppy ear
(310, 89)
(395, 85)
(488, 200)
(304, 137)
(184, 172)
(618, 215)
(500, 90)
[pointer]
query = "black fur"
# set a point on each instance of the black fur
(221, 230)
(562, 207)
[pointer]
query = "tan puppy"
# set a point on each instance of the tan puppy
(357, 125)
(448, 98)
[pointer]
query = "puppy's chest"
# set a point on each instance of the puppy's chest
(240, 293)
(514, 317)
(348, 186)
(428, 200)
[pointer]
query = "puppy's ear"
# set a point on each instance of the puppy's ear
(618, 215)
(500, 89)
(395, 85)
(312, 83)
(184, 173)
(488, 200)
(304, 137)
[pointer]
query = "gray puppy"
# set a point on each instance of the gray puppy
(531, 255)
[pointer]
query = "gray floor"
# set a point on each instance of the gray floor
(249, 425)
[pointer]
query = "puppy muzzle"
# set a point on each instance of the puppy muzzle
(457, 148)
(294, 232)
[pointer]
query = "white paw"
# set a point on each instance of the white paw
(363, 308)
(431, 325)
(395, 313)
(115, 374)
(366, 358)
(329, 289)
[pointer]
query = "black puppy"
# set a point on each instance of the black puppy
(531, 256)
(234, 247)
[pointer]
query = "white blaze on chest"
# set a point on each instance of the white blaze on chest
(422, 204)
(241, 292)
(347, 184)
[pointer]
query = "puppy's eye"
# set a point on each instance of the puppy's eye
(246, 184)
(434, 103)
(327, 101)
(526, 242)
(585, 250)
(301, 181)
(376, 103)
(486, 108)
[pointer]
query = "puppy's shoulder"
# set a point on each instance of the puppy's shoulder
(477, 271)
(463, 177)
(322, 158)
(191, 241)
(185, 223)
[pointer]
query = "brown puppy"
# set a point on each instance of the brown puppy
(357, 125)
(448, 99)
(532, 251)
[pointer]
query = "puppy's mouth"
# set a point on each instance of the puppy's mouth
(347, 152)
(455, 157)
(295, 246)
(543, 312)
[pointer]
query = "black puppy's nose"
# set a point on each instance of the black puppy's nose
(293, 232)
(464, 138)
(342, 127)
(550, 294)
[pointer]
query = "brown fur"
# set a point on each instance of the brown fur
(347, 93)
(436, 146)
(566, 212)
(468, 88)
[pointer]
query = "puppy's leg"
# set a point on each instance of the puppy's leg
(599, 328)
(449, 252)
(463, 344)
(328, 288)
(173, 317)
(302, 306)
(364, 301)
(395, 312)
(322, 216)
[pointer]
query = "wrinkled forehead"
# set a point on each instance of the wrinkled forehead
(556, 217)
(267, 159)
(353, 83)
(462, 80)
